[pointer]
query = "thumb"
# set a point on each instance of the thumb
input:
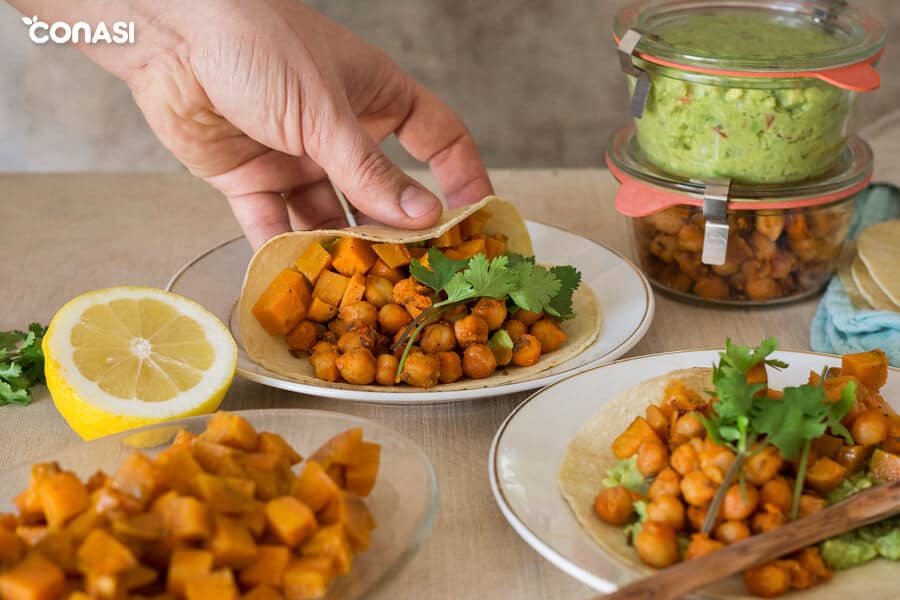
(371, 182)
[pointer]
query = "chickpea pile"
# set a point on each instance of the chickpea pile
(685, 468)
(771, 254)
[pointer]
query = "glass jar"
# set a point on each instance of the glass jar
(758, 92)
(778, 242)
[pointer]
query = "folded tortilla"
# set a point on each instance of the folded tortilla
(280, 252)
(589, 456)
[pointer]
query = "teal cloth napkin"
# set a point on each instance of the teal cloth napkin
(838, 327)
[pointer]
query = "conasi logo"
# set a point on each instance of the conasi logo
(59, 32)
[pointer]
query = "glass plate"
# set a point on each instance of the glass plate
(214, 279)
(403, 501)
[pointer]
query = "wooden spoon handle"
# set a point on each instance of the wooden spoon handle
(861, 509)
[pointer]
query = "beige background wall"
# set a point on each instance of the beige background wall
(536, 81)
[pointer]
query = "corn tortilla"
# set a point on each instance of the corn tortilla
(879, 249)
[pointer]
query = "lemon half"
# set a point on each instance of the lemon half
(123, 357)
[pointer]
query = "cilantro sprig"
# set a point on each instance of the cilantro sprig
(21, 363)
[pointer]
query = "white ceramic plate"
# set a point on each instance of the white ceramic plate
(626, 304)
(528, 449)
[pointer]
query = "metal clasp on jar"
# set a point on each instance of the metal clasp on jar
(715, 221)
(626, 48)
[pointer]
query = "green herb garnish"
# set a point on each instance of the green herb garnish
(21, 363)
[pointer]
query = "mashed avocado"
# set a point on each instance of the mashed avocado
(626, 473)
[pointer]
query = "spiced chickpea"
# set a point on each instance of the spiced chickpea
(359, 312)
(697, 489)
(493, 312)
(657, 544)
(614, 505)
(738, 506)
(526, 351)
(701, 545)
(386, 369)
(379, 291)
(666, 483)
(393, 318)
(324, 362)
(729, 532)
(652, 457)
(357, 366)
(667, 509)
(684, 459)
(548, 334)
(471, 330)
(768, 580)
(478, 361)
(421, 370)
(304, 336)
(762, 466)
(338, 327)
(527, 317)
(687, 426)
(777, 492)
(515, 329)
(769, 518)
(451, 367)
(437, 337)
(407, 289)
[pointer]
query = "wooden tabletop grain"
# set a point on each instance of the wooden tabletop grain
(61, 235)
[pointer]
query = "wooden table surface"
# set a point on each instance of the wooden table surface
(61, 235)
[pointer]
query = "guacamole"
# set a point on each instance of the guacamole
(625, 473)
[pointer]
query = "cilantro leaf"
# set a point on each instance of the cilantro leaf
(490, 279)
(561, 304)
(744, 358)
(10, 396)
(21, 363)
(536, 287)
(458, 288)
(839, 410)
(793, 420)
(516, 259)
(9, 339)
(440, 270)
(10, 370)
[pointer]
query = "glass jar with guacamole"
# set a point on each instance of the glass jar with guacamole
(757, 92)
(732, 243)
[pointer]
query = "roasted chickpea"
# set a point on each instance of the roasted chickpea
(526, 351)
(471, 330)
(421, 370)
(304, 336)
(324, 363)
(701, 545)
(870, 428)
(684, 459)
(526, 317)
(667, 509)
(809, 505)
(686, 427)
(493, 312)
(379, 291)
(614, 505)
(416, 305)
(356, 339)
(729, 532)
(777, 492)
(338, 327)
(666, 483)
(711, 287)
(770, 226)
(478, 361)
(697, 489)
(762, 466)
(767, 519)
(696, 515)
(760, 288)
(393, 318)
(652, 458)
(357, 366)
(735, 507)
(408, 289)
(657, 544)
(516, 329)
(768, 580)
(451, 367)
(717, 456)
(669, 220)
(690, 238)
(437, 337)
(386, 369)
(359, 312)
(715, 473)
(455, 313)
(323, 346)
(548, 334)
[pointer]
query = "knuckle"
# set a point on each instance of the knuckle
(375, 169)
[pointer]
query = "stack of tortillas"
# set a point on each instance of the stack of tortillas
(870, 269)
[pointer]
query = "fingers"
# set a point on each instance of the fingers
(315, 207)
(356, 165)
(433, 133)
(261, 215)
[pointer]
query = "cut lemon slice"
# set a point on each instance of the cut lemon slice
(124, 357)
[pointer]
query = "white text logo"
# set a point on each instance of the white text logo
(59, 32)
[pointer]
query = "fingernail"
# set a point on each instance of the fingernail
(416, 202)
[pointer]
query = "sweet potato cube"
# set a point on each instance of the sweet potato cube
(824, 475)
(392, 255)
(885, 465)
(183, 439)
(321, 311)
(330, 288)
(494, 246)
(231, 495)
(60, 547)
(627, 444)
(216, 458)
(319, 564)
(331, 541)
(137, 577)
(263, 592)
(382, 269)
(304, 336)
(314, 487)
(231, 544)
(303, 584)
(351, 512)
(313, 262)
(62, 496)
(255, 519)
(757, 374)
(451, 237)
(291, 520)
(28, 503)
(466, 250)
(218, 585)
(31, 534)
(272, 443)
(853, 458)
(187, 564)
(268, 568)
(871, 368)
(103, 554)
(140, 477)
(230, 430)
(834, 386)
(360, 474)
(179, 468)
(35, 578)
(356, 289)
(340, 449)
(351, 256)
(283, 304)
(11, 547)
(185, 517)
(143, 527)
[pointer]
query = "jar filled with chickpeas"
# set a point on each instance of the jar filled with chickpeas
(729, 243)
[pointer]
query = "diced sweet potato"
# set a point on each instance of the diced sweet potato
(62, 496)
(218, 585)
(321, 311)
(230, 430)
(263, 592)
(232, 545)
(291, 520)
(628, 443)
(827, 445)
(853, 458)
(361, 473)
(824, 475)
(313, 262)
(183, 439)
(11, 547)
(658, 421)
(892, 443)
(31, 534)
(356, 289)
(304, 336)
(757, 374)
(351, 256)
(35, 578)
(187, 564)
(834, 386)
(314, 487)
(304, 584)
(268, 568)
(339, 449)
(392, 255)
(885, 465)
(144, 527)
(255, 519)
(330, 287)
(474, 224)
(136, 577)
(349, 511)
(319, 564)
(451, 237)
(870, 368)
(679, 397)
(180, 469)
(331, 541)
(283, 304)
(381, 269)
(185, 517)
(494, 247)
(218, 459)
(60, 547)
(140, 477)
(466, 250)
(270, 472)
(102, 554)
(231, 495)
(272, 443)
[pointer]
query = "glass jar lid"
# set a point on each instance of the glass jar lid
(758, 36)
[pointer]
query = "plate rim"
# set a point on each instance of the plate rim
(438, 397)
(518, 524)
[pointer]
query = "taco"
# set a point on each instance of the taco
(350, 281)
